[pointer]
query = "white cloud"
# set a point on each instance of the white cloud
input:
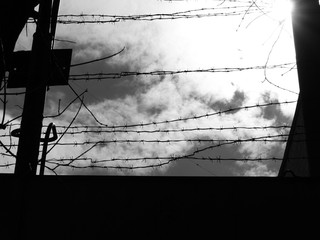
(176, 45)
(161, 101)
(259, 169)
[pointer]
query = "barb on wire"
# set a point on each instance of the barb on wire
(102, 129)
(162, 160)
(269, 138)
(86, 18)
(265, 139)
(104, 76)
(125, 126)
(87, 129)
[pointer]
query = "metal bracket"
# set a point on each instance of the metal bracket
(45, 140)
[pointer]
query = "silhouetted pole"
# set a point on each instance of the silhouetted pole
(306, 31)
(32, 116)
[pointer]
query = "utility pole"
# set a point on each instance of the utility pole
(306, 31)
(38, 77)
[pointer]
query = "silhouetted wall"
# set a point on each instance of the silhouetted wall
(93, 207)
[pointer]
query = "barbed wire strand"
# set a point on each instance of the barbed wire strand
(87, 18)
(190, 118)
(177, 15)
(116, 75)
(77, 130)
(165, 141)
(100, 129)
(168, 159)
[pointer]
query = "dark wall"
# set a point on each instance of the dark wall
(89, 207)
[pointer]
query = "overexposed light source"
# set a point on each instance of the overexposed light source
(281, 9)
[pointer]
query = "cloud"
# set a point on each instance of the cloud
(169, 45)
(163, 100)
(259, 169)
(115, 112)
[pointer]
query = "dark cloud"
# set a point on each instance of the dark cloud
(236, 101)
(157, 110)
(189, 167)
(273, 111)
(98, 90)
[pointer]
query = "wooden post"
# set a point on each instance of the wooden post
(32, 116)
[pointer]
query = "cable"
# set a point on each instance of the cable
(98, 59)
(103, 76)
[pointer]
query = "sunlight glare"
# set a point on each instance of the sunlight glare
(281, 9)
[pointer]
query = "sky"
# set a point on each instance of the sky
(230, 121)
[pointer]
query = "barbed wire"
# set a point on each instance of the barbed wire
(124, 127)
(101, 129)
(75, 130)
(167, 160)
(216, 143)
(106, 128)
(86, 18)
(103, 75)
(168, 141)
(195, 117)
(159, 141)
(79, 129)
(163, 160)
(281, 138)
(154, 165)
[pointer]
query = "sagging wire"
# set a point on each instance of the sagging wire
(161, 160)
(71, 122)
(98, 59)
(70, 103)
(125, 126)
(267, 61)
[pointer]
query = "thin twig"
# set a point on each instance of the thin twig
(74, 118)
(60, 113)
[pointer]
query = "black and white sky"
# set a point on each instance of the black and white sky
(188, 121)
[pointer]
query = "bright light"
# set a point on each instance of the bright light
(281, 9)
